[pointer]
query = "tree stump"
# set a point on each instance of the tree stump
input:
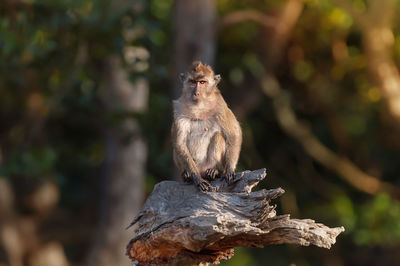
(179, 225)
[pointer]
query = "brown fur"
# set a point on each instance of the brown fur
(206, 135)
(199, 69)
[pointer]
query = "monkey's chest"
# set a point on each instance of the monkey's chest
(199, 139)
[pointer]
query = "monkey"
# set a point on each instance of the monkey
(206, 136)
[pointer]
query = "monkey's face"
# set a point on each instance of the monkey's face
(199, 82)
(198, 88)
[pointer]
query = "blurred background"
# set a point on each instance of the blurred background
(85, 113)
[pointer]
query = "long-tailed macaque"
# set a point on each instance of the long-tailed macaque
(205, 133)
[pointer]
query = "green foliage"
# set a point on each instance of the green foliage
(241, 257)
(32, 163)
(379, 222)
(161, 9)
(344, 208)
(51, 110)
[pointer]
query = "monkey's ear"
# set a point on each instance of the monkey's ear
(182, 77)
(217, 78)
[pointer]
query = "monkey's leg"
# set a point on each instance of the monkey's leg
(188, 177)
(215, 153)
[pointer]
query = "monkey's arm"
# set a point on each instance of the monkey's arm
(233, 134)
(181, 152)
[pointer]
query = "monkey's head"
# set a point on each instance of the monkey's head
(199, 82)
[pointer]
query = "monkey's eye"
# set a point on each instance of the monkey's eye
(193, 81)
(203, 82)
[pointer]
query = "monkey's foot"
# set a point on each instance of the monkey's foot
(211, 174)
(228, 176)
(186, 177)
(202, 184)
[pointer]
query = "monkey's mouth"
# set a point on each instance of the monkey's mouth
(195, 97)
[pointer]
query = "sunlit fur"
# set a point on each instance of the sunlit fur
(205, 132)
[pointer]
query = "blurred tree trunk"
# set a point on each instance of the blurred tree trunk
(194, 36)
(125, 160)
(194, 39)
(124, 166)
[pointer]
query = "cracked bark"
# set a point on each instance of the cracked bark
(181, 225)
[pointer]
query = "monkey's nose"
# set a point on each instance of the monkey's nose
(196, 93)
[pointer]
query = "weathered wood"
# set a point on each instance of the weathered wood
(181, 225)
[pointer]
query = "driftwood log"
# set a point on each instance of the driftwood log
(180, 225)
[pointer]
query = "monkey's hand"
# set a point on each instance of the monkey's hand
(186, 176)
(211, 174)
(201, 183)
(229, 175)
